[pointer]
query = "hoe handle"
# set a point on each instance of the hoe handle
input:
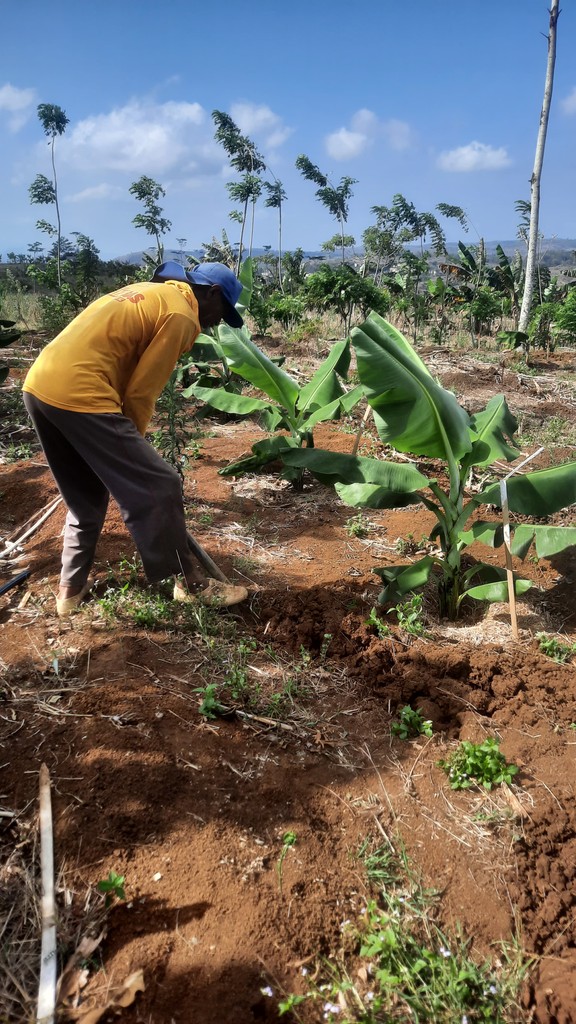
(205, 561)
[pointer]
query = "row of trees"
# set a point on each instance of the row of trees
(404, 266)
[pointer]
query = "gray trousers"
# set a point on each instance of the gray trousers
(95, 455)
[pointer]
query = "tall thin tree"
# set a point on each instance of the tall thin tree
(245, 158)
(276, 196)
(148, 192)
(334, 197)
(531, 256)
(53, 121)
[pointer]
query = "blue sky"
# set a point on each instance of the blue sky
(436, 99)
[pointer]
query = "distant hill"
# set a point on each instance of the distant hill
(197, 254)
(554, 252)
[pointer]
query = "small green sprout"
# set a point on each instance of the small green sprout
(382, 628)
(357, 526)
(288, 840)
(112, 887)
(410, 615)
(326, 641)
(411, 723)
(210, 707)
(478, 764)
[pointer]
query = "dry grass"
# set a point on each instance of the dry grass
(19, 921)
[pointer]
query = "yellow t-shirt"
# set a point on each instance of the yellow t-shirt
(118, 353)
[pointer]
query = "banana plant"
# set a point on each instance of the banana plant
(206, 363)
(414, 414)
(288, 407)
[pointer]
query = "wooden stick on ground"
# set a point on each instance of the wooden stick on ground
(48, 958)
(11, 544)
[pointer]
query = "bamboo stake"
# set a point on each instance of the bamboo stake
(48, 958)
(15, 533)
(507, 550)
(10, 545)
(360, 430)
(509, 572)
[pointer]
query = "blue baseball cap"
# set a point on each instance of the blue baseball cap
(207, 274)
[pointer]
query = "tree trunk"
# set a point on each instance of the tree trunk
(59, 236)
(280, 247)
(537, 173)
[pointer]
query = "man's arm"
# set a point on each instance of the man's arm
(177, 335)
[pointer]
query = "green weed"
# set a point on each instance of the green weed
(210, 705)
(410, 615)
(16, 452)
(410, 723)
(326, 641)
(382, 628)
(555, 649)
(144, 606)
(281, 701)
(112, 888)
(237, 679)
(478, 764)
(357, 526)
(409, 970)
(288, 840)
(409, 545)
(553, 430)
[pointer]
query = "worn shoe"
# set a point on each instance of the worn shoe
(67, 605)
(214, 594)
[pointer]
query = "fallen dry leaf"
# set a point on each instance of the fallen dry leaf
(74, 977)
(118, 997)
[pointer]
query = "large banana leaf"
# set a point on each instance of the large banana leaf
(374, 496)
(250, 363)
(227, 401)
(365, 478)
(263, 452)
(549, 540)
(411, 411)
(541, 493)
(401, 579)
(492, 426)
(324, 387)
(491, 534)
(334, 409)
(497, 591)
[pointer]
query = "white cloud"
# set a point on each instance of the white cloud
(476, 156)
(18, 103)
(103, 191)
(345, 145)
(569, 103)
(365, 127)
(398, 134)
(364, 121)
(144, 138)
(261, 122)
